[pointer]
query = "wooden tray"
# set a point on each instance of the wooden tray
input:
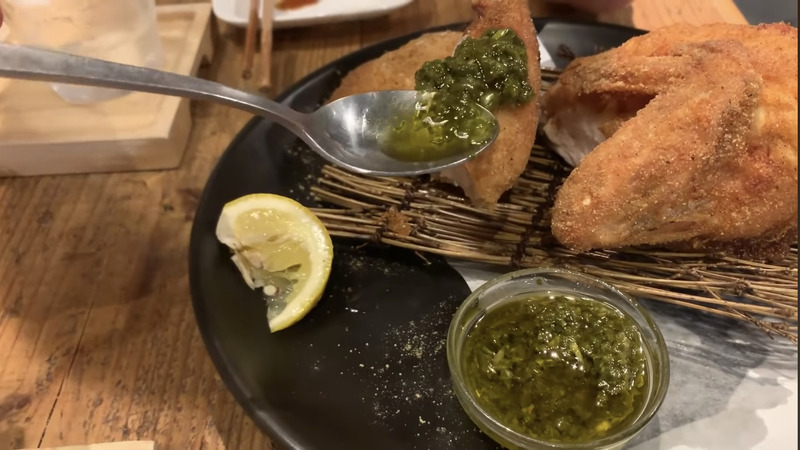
(41, 134)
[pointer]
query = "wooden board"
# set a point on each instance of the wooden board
(41, 134)
(124, 445)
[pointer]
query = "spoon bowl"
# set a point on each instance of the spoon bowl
(358, 123)
(346, 132)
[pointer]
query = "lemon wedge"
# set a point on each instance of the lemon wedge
(280, 247)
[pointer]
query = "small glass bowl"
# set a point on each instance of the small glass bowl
(562, 281)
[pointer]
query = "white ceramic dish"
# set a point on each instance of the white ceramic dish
(236, 12)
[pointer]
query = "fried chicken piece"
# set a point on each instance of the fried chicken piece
(395, 69)
(697, 133)
(486, 177)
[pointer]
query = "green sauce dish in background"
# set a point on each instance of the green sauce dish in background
(550, 358)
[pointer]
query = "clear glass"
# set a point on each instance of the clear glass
(529, 281)
(123, 31)
(3, 81)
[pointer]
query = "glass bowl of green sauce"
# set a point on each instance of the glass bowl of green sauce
(554, 359)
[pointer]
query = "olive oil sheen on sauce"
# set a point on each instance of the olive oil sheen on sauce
(489, 71)
(555, 367)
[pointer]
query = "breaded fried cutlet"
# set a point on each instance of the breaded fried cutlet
(486, 177)
(685, 137)
(395, 69)
(494, 171)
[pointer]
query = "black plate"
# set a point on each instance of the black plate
(366, 369)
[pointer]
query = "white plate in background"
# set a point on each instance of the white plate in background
(236, 12)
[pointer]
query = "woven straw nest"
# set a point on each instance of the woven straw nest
(429, 217)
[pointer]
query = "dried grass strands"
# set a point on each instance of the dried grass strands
(424, 216)
(438, 220)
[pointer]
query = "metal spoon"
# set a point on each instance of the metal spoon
(345, 132)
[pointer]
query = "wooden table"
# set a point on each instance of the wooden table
(97, 336)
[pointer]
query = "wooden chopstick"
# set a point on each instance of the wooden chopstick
(250, 40)
(265, 80)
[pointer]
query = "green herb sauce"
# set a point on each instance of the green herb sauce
(557, 368)
(490, 71)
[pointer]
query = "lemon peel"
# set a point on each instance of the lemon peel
(280, 247)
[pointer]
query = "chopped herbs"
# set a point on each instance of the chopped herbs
(556, 367)
(490, 71)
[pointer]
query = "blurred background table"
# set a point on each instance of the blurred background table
(97, 336)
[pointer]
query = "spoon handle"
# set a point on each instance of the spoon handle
(30, 63)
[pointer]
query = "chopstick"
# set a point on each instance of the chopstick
(265, 81)
(250, 40)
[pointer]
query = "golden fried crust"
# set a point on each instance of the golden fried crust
(710, 163)
(494, 171)
(395, 69)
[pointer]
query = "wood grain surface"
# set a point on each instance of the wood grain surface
(40, 134)
(97, 336)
